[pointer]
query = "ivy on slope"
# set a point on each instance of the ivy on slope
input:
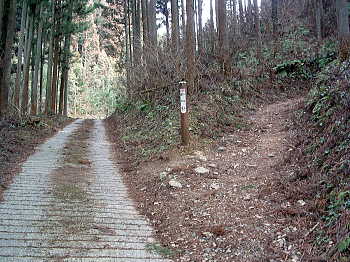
(328, 152)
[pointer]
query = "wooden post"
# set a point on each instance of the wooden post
(185, 135)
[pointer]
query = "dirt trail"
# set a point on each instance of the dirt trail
(230, 212)
(69, 202)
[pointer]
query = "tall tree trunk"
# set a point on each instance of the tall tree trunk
(222, 32)
(2, 12)
(42, 62)
(241, 17)
(212, 28)
(18, 81)
(27, 60)
(318, 17)
(130, 34)
(249, 14)
(136, 31)
(234, 17)
(344, 35)
(127, 50)
(55, 76)
(50, 63)
(200, 26)
(66, 90)
(274, 18)
(216, 15)
(257, 29)
(152, 22)
(190, 67)
(65, 66)
(167, 27)
(34, 98)
(183, 18)
(5, 68)
(144, 22)
(175, 32)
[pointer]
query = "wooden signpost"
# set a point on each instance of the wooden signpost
(185, 135)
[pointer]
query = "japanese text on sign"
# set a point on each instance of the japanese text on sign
(183, 101)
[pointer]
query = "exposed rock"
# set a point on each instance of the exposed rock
(207, 234)
(201, 170)
(212, 165)
(221, 149)
(200, 156)
(301, 202)
(163, 175)
(174, 183)
(214, 186)
(247, 198)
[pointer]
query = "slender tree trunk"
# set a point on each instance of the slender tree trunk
(50, 63)
(42, 62)
(152, 22)
(2, 7)
(212, 28)
(190, 68)
(144, 22)
(18, 81)
(62, 90)
(65, 66)
(318, 16)
(66, 90)
(183, 18)
(274, 18)
(195, 24)
(127, 50)
(175, 33)
(257, 29)
(34, 98)
(130, 35)
(222, 33)
(344, 35)
(216, 15)
(167, 26)
(55, 76)
(5, 68)
(241, 17)
(200, 26)
(136, 31)
(27, 63)
(249, 14)
(234, 17)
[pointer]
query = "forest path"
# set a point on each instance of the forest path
(225, 205)
(70, 204)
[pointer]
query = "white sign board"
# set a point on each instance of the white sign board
(183, 101)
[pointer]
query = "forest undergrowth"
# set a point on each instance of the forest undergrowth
(149, 129)
(320, 162)
(150, 120)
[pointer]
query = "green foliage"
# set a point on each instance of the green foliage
(158, 249)
(338, 203)
(96, 88)
(344, 245)
(304, 68)
(293, 69)
(328, 115)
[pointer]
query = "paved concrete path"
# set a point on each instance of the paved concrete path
(36, 225)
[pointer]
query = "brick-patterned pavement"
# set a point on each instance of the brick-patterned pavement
(36, 225)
